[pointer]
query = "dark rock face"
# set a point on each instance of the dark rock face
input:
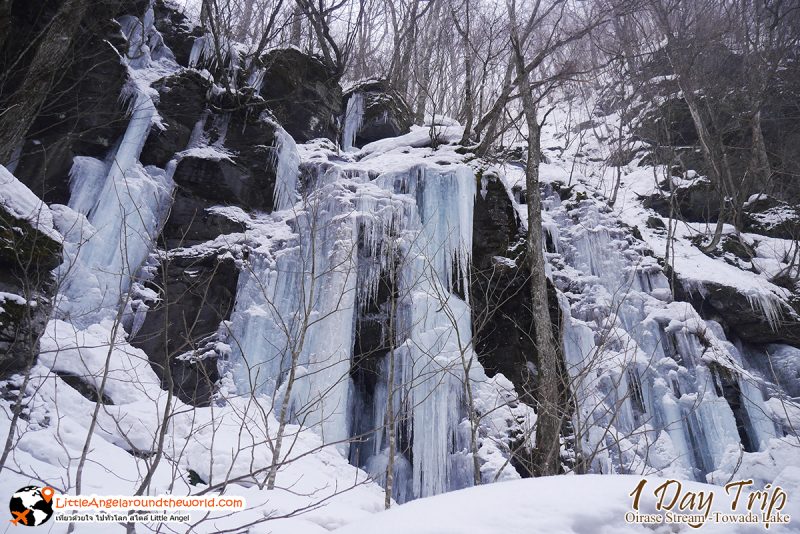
(669, 124)
(303, 94)
(224, 181)
(735, 312)
(660, 117)
(772, 217)
(82, 114)
(26, 258)
(698, 202)
(500, 292)
(500, 296)
(230, 167)
(386, 113)
(197, 293)
(243, 173)
(238, 167)
(192, 221)
(369, 345)
(181, 104)
(177, 31)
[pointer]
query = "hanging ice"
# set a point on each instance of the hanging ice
(287, 163)
(124, 202)
(353, 117)
(647, 373)
(296, 307)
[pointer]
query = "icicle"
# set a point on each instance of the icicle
(769, 306)
(353, 117)
(344, 228)
(287, 162)
(202, 51)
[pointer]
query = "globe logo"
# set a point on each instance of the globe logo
(31, 506)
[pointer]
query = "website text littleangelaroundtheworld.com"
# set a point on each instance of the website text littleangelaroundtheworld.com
(160, 502)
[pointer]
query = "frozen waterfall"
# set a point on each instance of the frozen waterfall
(123, 202)
(298, 304)
(658, 389)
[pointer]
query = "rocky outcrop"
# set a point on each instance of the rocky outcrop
(664, 133)
(224, 147)
(82, 116)
(769, 216)
(303, 94)
(27, 256)
(695, 202)
(177, 31)
(238, 169)
(745, 318)
(181, 103)
(381, 112)
(196, 293)
(500, 292)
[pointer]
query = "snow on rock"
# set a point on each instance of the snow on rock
(93, 353)
(658, 388)
(20, 202)
(317, 489)
(418, 137)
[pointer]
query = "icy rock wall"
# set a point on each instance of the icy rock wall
(298, 301)
(658, 389)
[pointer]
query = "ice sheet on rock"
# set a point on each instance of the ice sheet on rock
(349, 226)
(123, 202)
(130, 204)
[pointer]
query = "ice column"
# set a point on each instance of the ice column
(124, 202)
(353, 117)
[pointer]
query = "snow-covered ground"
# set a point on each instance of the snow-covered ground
(587, 504)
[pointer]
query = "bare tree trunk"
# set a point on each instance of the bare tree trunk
(243, 28)
(24, 105)
(620, 134)
(390, 415)
(297, 26)
(548, 414)
(490, 119)
(423, 64)
(204, 13)
(282, 422)
(474, 420)
(716, 158)
(469, 105)
(759, 162)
